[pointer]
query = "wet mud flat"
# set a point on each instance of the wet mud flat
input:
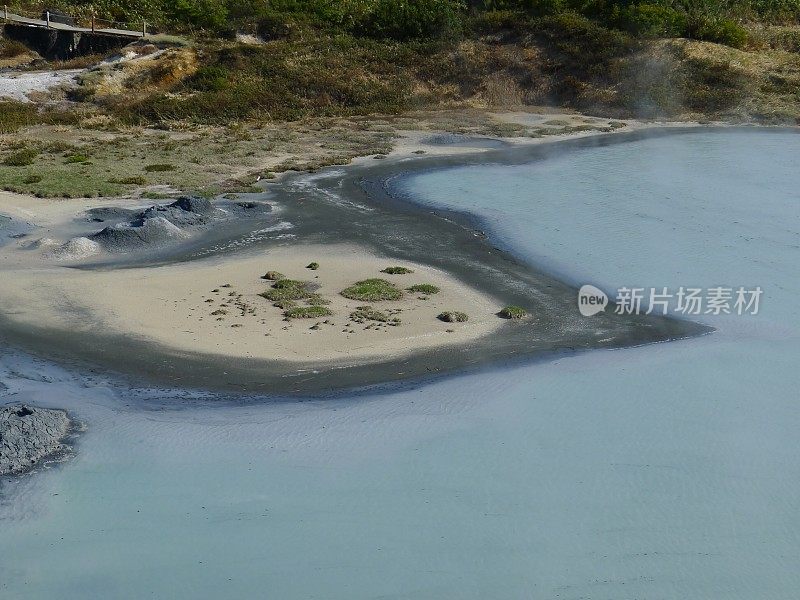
(360, 204)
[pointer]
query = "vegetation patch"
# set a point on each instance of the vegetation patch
(21, 158)
(513, 312)
(367, 313)
(273, 276)
(284, 304)
(307, 312)
(397, 270)
(160, 168)
(287, 289)
(372, 290)
(317, 300)
(313, 266)
(135, 180)
(453, 316)
(424, 288)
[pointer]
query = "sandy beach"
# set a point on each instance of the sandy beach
(213, 306)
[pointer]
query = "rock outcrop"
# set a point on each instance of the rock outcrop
(28, 435)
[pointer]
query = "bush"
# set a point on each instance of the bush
(513, 312)
(652, 20)
(424, 288)
(367, 313)
(12, 48)
(287, 289)
(410, 19)
(719, 30)
(21, 158)
(453, 316)
(372, 290)
(307, 312)
(201, 14)
(159, 168)
(397, 270)
(211, 78)
(313, 266)
(273, 276)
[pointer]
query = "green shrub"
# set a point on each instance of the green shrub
(307, 312)
(313, 266)
(21, 158)
(719, 30)
(317, 300)
(424, 288)
(202, 14)
(135, 180)
(159, 168)
(210, 78)
(652, 20)
(410, 19)
(273, 276)
(11, 48)
(397, 270)
(372, 290)
(287, 289)
(453, 316)
(30, 179)
(367, 313)
(513, 312)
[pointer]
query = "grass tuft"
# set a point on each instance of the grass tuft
(397, 271)
(287, 289)
(453, 316)
(424, 288)
(307, 312)
(513, 312)
(372, 290)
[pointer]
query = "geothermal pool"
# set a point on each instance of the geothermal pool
(668, 471)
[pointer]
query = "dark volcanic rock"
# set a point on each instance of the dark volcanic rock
(28, 435)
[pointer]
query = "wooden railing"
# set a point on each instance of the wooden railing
(88, 25)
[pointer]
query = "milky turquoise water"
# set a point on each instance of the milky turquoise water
(665, 472)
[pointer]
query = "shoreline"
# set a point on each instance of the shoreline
(453, 246)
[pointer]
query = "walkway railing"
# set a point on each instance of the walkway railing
(81, 25)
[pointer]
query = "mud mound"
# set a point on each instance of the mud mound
(111, 213)
(153, 231)
(76, 248)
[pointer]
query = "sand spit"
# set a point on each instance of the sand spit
(214, 306)
(29, 435)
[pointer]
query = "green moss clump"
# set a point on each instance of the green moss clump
(273, 276)
(367, 313)
(372, 290)
(424, 288)
(453, 316)
(317, 300)
(397, 271)
(287, 289)
(307, 312)
(513, 312)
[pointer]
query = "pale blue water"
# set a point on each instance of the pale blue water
(666, 472)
